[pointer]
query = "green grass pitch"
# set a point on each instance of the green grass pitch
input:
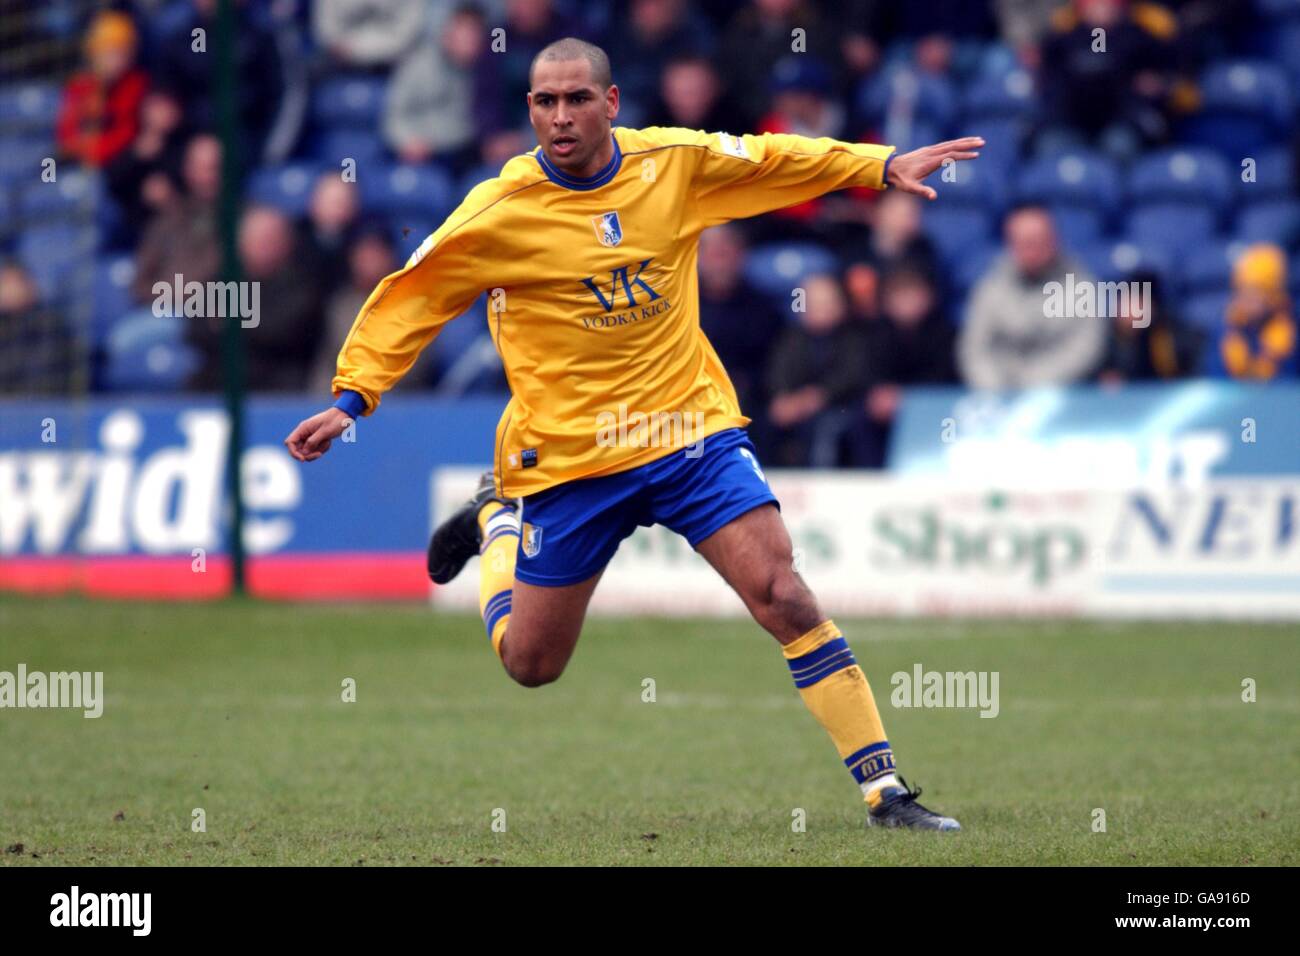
(236, 708)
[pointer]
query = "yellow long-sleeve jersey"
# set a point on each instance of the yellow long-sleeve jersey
(592, 297)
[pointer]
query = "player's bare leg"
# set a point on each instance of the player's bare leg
(543, 629)
(754, 555)
(542, 623)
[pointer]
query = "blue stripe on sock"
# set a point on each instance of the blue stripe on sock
(499, 533)
(500, 597)
(495, 614)
(826, 660)
(874, 760)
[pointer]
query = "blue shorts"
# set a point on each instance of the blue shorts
(570, 531)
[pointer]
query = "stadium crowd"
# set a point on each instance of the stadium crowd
(1168, 156)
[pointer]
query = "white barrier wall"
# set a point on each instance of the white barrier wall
(881, 545)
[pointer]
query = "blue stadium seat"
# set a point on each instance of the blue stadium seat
(1004, 140)
(777, 267)
(967, 270)
(1246, 105)
(287, 187)
(52, 253)
(30, 107)
(21, 159)
(1208, 268)
(999, 95)
(72, 189)
(479, 174)
(1274, 178)
(1078, 226)
(1113, 261)
(112, 292)
(995, 59)
(957, 229)
(1178, 226)
(1285, 44)
(933, 98)
(1182, 175)
(982, 184)
(1278, 221)
(335, 145)
(413, 191)
(1081, 179)
(355, 101)
(146, 352)
(1205, 312)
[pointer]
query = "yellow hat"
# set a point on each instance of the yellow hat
(110, 30)
(1262, 267)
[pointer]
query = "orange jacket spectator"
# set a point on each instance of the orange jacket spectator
(99, 116)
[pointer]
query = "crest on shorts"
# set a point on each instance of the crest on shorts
(608, 229)
(531, 540)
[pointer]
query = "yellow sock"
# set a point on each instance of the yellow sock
(496, 575)
(836, 691)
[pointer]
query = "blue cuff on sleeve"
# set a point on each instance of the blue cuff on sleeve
(884, 176)
(352, 403)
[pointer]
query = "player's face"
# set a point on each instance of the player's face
(571, 115)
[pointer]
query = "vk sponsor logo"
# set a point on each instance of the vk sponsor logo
(623, 287)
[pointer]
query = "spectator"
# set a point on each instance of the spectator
(368, 33)
(813, 372)
(501, 90)
(332, 214)
(1258, 342)
(99, 115)
(146, 178)
(862, 284)
(1148, 344)
(759, 35)
(182, 238)
(659, 29)
(1010, 338)
(896, 235)
(187, 68)
(37, 350)
(1024, 24)
(1113, 99)
(430, 98)
(738, 321)
(690, 95)
(370, 257)
(280, 347)
(911, 344)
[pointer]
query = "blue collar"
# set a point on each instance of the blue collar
(582, 182)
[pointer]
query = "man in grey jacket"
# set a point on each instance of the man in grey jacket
(1013, 337)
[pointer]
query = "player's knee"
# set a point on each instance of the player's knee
(531, 670)
(786, 605)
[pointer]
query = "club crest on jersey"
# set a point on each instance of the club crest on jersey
(608, 229)
(530, 539)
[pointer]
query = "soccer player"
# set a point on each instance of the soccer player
(586, 247)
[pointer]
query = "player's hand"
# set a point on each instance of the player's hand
(907, 171)
(312, 437)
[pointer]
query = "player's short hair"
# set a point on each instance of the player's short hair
(571, 48)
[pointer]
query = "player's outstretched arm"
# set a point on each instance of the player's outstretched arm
(907, 170)
(313, 436)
